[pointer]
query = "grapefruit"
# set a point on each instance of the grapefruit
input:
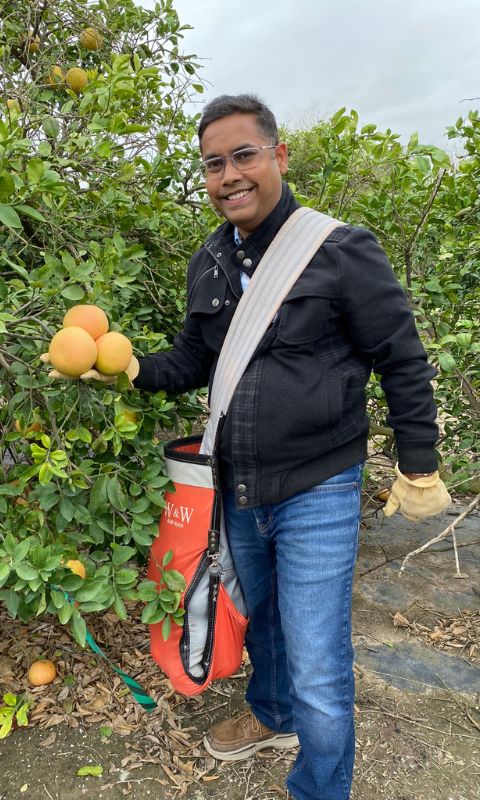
(72, 351)
(91, 318)
(42, 672)
(56, 76)
(91, 39)
(76, 79)
(114, 353)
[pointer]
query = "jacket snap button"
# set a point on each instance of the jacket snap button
(248, 262)
(241, 487)
(243, 500)
(240, 254)
(215, 302)
(227, 302)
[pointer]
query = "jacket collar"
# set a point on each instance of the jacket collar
(246, 255)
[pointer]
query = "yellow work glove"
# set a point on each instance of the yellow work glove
(418, 499)
(93, 374)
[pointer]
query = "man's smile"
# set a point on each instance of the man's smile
(237, 194)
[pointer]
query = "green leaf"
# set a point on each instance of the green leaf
(105, 731)
(10, 699)
(31, 212)
(4, 573)
(25, 571)
(174, 580)
(166, 628)
(73, 293)
(94, 771)
(167, 558)
(446, 361)
(35, 170)
(6, 727)
(9, 217)
(98, 496)
(79, 628)
(116, 494)
(121, 555)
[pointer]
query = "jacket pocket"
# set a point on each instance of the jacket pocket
(302, 318)
(213, 311)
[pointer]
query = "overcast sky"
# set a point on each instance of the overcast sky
(407, 65)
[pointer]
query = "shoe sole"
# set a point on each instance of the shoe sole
(285, 741)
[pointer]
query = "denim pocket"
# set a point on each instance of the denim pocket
(350, 478)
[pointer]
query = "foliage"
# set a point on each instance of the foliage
(425, 211)
(14, 709)
(98, 204)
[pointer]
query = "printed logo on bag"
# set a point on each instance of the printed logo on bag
(178, 515)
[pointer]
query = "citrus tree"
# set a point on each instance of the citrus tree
(98, 204)
(425, 210)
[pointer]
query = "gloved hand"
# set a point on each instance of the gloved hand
(418, 499)
(93, 374)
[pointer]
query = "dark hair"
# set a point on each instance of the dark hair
(227, 104)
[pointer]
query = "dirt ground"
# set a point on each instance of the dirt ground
(417, 699)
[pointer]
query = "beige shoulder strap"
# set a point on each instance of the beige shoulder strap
(287, 256)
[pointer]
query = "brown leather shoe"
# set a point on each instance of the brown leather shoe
(240, 737)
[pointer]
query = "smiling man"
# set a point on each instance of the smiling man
(294, 440)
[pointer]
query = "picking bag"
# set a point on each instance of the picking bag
(210, 643)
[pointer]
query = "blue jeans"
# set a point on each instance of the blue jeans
(295, 562)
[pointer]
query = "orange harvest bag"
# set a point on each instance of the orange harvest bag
(210, 644)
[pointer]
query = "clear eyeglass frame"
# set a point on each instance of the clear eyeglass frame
(244, 159)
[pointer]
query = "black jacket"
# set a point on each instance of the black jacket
(298, 415)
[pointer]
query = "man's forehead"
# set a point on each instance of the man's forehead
(225, 135)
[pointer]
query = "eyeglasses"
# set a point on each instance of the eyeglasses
(244, 159)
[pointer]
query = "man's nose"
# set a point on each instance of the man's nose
(230, 172)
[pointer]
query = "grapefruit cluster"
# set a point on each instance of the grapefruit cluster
(84, 342)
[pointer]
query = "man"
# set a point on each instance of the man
(294, 441)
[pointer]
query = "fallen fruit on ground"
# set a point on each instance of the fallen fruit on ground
(56, 76)
(41, 673)
(114, 353)
(91, 39)
(72, 351)
(76, 566)
(89, 317)
(76, 79)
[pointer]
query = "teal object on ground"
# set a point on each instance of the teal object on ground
(148, 703)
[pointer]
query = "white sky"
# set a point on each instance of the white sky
(404, 65)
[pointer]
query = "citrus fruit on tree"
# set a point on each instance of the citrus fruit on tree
(114, 353)
(56, 76)
(76, 79)
(72, 351)
(89, 317)
(91, 39)
(31, 43)
(42, 672)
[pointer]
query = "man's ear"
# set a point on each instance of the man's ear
(281, 154)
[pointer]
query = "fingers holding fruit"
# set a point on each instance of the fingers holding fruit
(85, 348)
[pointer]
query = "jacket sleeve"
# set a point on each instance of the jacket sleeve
(382, 327)
(186, 366)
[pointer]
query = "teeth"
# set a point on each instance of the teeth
(238, 195)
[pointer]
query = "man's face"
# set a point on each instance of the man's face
(246, 197)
